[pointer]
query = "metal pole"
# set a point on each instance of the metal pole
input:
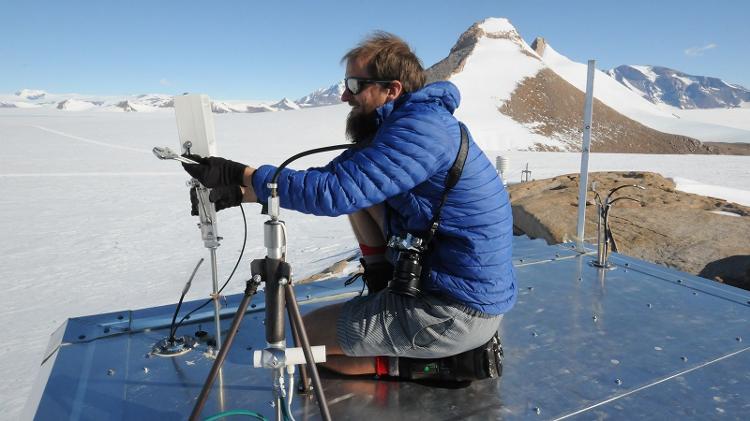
(297, 323)
(217, 304)
(250, 289)
(304, 385)
(588, 109)
(601, 236)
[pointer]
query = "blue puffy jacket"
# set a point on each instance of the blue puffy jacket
(405, 165)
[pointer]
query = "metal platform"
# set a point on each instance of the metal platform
(639, 341)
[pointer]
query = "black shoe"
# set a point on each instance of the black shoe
(484, 362)
(376, 275)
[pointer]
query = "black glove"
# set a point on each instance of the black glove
(225, 197)
(222, 198)
(214, 171)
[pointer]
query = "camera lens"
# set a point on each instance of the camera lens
(406, 275)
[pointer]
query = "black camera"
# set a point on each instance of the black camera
(408, 268)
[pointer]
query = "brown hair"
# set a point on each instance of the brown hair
(389, 57)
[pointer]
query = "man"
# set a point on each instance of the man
(390, 183)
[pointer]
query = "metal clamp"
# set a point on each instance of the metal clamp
(604, 233)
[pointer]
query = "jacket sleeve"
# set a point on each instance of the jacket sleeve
(403, 154)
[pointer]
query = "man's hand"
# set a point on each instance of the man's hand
(222, 198)
(215, 172)
(225, 197)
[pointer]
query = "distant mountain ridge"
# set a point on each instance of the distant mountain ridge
(514, 96)
(662, 85)
(33, 98)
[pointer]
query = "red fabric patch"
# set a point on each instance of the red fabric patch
(381, 366)
(371, 251)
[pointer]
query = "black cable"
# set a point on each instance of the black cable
(239, 259)
(305, 153)
(172, 328)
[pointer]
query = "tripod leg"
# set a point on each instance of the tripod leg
(304, 386)
(201, 402)
(296, 321)
(217, 304)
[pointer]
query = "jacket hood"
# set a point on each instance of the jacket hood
(443, 91)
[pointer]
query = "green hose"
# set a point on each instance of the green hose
(236, 412)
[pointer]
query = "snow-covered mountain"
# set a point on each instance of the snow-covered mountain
(512, 98)
(285, 105)
(323, 96)
(31, 94)
(32, 98)
(662, 85)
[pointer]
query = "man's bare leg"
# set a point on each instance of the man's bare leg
(321, 330)
(368, 225)
(321, 323)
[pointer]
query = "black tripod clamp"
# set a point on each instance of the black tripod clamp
(275, 274)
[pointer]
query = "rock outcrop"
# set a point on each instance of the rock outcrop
(551, 107)
(539, 45)
(701, 235)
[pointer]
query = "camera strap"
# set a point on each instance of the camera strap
(454, 174)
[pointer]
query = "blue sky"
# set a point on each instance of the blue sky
(271, 49)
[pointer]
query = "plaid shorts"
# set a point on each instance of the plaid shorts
(387, 324)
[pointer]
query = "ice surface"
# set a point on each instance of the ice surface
(92, 222)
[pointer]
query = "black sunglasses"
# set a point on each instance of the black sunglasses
(356, 84)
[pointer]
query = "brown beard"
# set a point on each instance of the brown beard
(361, 128)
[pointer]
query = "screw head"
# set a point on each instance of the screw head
(683, 358)
(537, 410)
(111, 372)
(618, 382)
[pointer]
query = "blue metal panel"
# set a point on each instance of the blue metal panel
(639, 341)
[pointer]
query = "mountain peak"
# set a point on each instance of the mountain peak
(489, 29)
(497, 26)
(285, 104)
(323, 96)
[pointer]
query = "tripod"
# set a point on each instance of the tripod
(276, 274)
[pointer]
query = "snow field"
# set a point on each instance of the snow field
(92, 222)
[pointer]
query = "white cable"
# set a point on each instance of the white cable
(290, 395)
(283, 229)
